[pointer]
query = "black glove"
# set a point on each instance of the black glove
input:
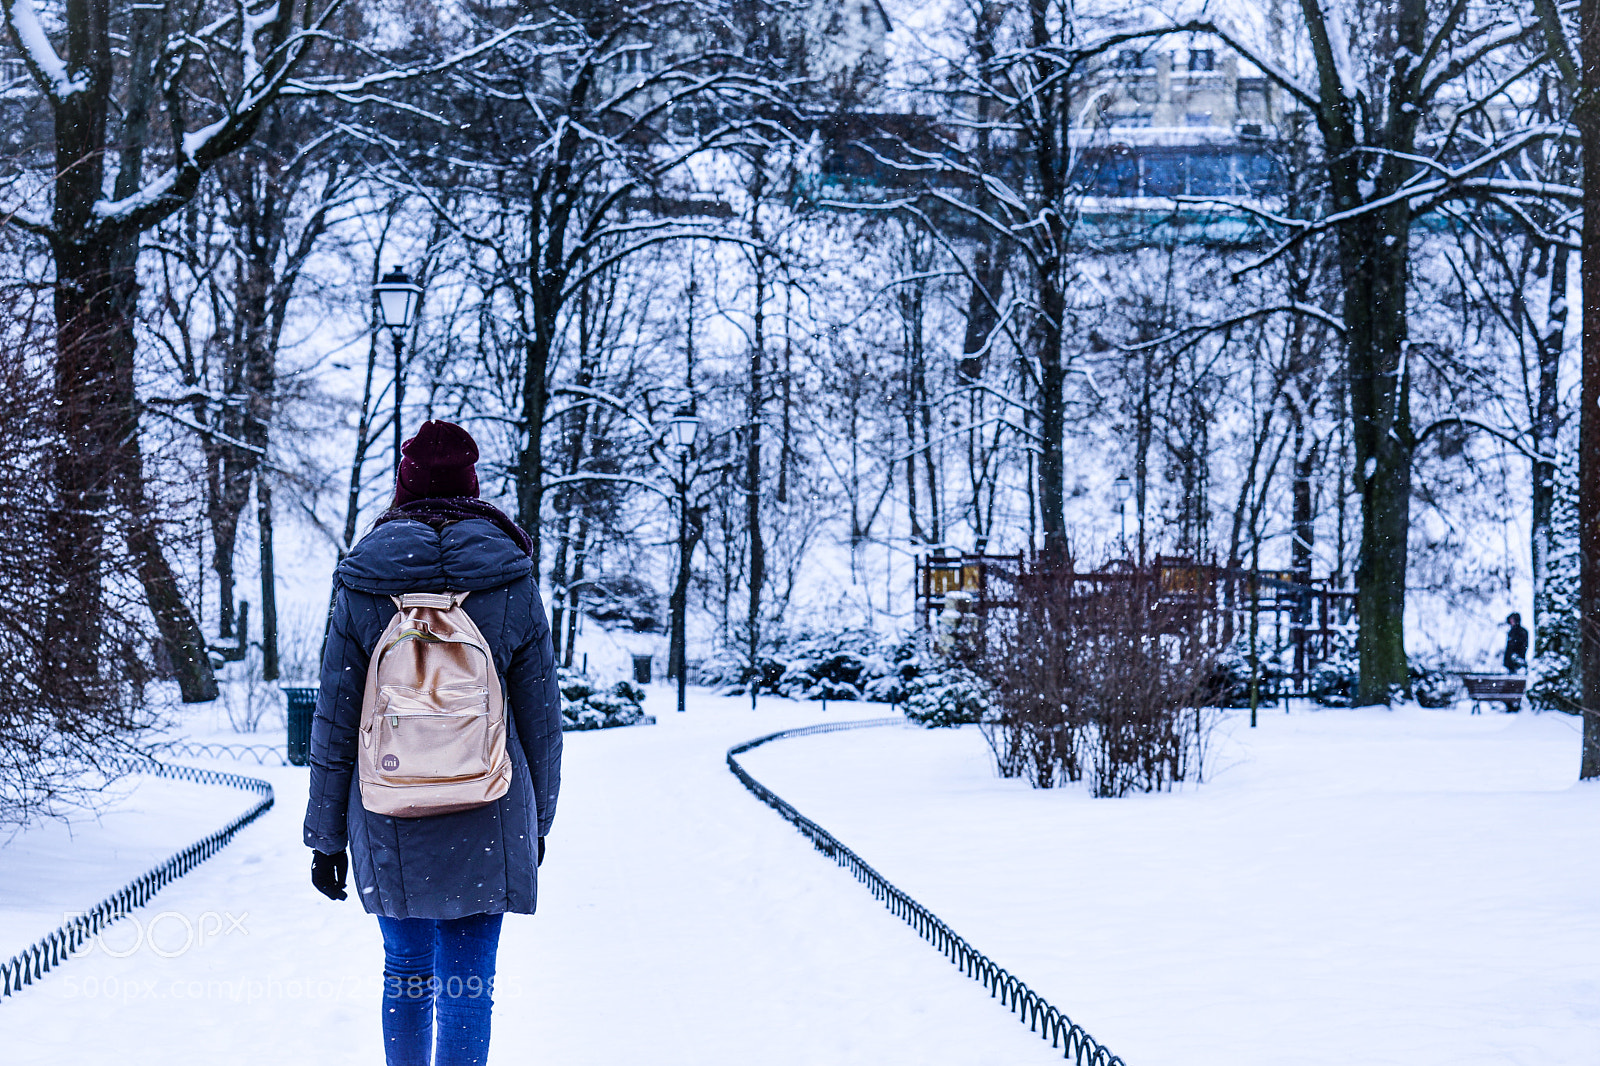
(327, 873)
(541, 852)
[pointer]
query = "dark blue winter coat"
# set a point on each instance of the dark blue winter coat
(481, 861)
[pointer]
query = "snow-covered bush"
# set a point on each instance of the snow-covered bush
(1229, 683)
(1335, 681)
(623, 597)
(848, 664)
(584, 706)
(946, 693)
(1435, 688)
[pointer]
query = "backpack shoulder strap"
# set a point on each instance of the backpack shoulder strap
(443, 601)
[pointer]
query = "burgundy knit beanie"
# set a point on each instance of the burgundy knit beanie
(437, 462)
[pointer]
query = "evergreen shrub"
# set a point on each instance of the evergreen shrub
(947, 693)
(846, 664)
(1435, 688)
(585, 706)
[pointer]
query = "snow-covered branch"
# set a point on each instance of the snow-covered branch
(40, 56)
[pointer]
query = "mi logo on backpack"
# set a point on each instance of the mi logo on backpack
(433, 724)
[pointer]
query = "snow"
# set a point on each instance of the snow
(1365, 886)
(681, 922)
(31, 36)
(1413, 887)
(59, 867)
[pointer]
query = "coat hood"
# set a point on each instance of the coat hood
(408, 556)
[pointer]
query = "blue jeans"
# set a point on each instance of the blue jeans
(438, 973)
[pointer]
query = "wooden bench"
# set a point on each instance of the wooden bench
(1496, 688)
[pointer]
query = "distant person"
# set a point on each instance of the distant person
(1516, 656)
(440, 882)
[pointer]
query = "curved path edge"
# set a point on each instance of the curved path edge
(59, 945)
(1040, 1017)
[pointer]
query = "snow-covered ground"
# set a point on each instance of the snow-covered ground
(1351, 887)
(681, 922)
(63, 866)
(1377, 887)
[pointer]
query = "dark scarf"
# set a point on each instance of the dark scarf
(440, 511)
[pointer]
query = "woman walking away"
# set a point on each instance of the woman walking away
(436, 747)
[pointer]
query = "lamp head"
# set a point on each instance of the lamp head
(1123, 488)
(398, 298)
(681, 432)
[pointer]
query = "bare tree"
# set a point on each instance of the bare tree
(1579, 67)
(1398, 94)
(568, 132)
(182, 85)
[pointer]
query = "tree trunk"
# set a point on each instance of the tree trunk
(753, 415)
(983, 301)
(562, 600)
(530, 464)
(913, 378)
(1048, 152)
(574, 587)
(1587, 117)
(1374, 263)
(95, 297)
(1304, 516)
(1144, 431)
(1375, 274)
(983, 304)
(1052, 418)
(352, 507)
(752, 479)
(1304, 532)
(224, 535)
(269, 586)
(785, 450)
(691, 530)
(1545, 427)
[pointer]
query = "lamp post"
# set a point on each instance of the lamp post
(398, 298)
(1124, 489)
(681, 432)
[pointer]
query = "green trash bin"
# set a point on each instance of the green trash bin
(302, 703)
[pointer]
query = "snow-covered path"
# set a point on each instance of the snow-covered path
(680, 922)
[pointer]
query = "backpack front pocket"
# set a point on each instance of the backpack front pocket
(438, 737)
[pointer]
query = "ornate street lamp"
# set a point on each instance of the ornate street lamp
(398, 299)
(681, 432)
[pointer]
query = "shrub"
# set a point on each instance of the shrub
(623, 598)
(1335, 681)
(947, 694)
(1229, 682)
(76, 643)
(1435, 688)
(850, 664)
(584, 706)
(1097, 679)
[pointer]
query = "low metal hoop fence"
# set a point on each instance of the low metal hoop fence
(1031, 1008)
(59, 945)
(262, 754)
